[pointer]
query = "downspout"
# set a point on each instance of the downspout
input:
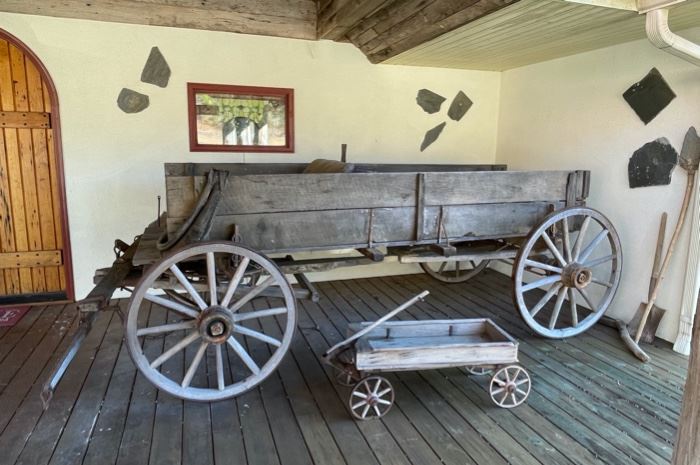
(661, 36)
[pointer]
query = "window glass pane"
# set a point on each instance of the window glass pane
(227, 119)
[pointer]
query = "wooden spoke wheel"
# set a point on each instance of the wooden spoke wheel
(454, 272)
(510, 386)
(344, 378)
(371, 397)
(213, 346)
(574, 255)
(478, 370)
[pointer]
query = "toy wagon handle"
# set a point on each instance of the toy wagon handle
(374, 325)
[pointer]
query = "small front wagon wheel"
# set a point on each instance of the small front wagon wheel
(372, 397)
(510, 386)
(213, 345)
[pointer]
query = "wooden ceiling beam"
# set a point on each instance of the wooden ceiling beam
(337, 17)
(282, 18)
(385, 28)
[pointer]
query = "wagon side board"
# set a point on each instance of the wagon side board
(424, 345)
(294, 212)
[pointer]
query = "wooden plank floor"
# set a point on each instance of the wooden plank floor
(591, 403)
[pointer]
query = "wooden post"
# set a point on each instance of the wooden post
(687, 450)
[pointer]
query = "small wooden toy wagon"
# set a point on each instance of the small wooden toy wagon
(477, 344)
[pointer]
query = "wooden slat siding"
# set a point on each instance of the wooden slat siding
(399, 433)
(320, 442)
(341, 15)
(75, 437)
(26, 162)
(21, 402)
(347, 436)
(35, 89)
(138, 427)
(504, 418)
(23, 350)
(107, 432)
(611, 415)
(428, 25)
(197, 445)
(280, 193)
(285, 429)
(378, 436)
(14, 173)
(257, 431)
(602, 346)
(55, 191)
(657, 403)
(651, 398)
(241, 16)
(40, 445)
(166, 442)
(17, 332)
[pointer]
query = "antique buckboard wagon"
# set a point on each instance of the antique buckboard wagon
(219, 258)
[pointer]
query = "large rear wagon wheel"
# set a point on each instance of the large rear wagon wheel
(574, 255)
(230, 352)
(454, 272)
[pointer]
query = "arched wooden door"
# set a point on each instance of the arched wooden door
(34, 250)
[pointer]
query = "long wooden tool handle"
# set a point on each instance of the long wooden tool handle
(659, 252)
(669, 252)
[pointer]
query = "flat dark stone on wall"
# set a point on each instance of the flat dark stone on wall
(156, 71)
(432, 135)
(131, 101)
(429, 101)
(459, 106)
(652, 165)
(649, 96)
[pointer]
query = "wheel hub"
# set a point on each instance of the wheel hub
(577, 276)
(216, 324)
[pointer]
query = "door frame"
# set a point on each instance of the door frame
(58, 151)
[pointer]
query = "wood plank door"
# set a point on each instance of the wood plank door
(34, 250)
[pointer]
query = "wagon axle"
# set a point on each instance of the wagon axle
(216, 324)
(576, 275)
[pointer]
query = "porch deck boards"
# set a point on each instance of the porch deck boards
(592, 402)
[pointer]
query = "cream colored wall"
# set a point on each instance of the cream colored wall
(114, 161)
(569, 114)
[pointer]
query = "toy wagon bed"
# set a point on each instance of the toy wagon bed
(219, 258)
(382, 346)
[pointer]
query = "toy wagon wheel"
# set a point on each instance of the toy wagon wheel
(344, 378)
(479, 370)
(218, 327)
(453, 272)
(576, 254)
(372, 397)
(510, 386)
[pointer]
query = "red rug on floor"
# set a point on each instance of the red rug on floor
(9, 316)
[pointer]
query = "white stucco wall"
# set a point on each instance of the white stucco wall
(114, 160)
(569, 114)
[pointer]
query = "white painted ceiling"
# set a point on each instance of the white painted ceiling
(531, 31)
